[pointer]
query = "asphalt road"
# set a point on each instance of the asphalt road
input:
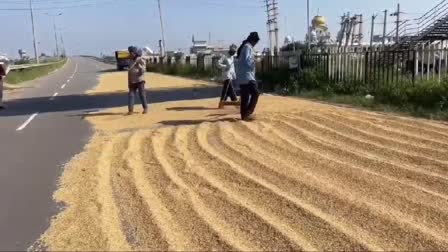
(40, 131)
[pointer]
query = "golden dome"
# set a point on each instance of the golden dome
(319, 22)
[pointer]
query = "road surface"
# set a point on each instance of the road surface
(35, 144)
(41, 130)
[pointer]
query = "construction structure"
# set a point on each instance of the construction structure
(272, 26)
(351, 33)
(431, 28)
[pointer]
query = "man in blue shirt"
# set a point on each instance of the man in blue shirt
(245, 76)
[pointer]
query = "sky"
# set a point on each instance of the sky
(102, 26)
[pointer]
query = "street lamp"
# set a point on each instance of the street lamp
(55, 32)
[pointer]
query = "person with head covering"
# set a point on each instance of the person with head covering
(136, 79)
(3, 72)
(228, 68)
(1, 93)
(245, 76)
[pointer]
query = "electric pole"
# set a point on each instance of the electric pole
(36, 55)
(361, 30)
(272, 25)
(397, 14)
(163, 46)
(372, 29)
(63, 45)
(384, 27)
(308, 23)
(56, 38)
(276, 30)
(268, 25)
(55, 32)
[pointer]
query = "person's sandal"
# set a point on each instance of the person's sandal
(248, 118)
(145, 112)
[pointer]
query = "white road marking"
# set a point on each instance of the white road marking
(54, 96)
(23, 126)
(63, 86)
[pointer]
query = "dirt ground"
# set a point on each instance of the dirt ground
(303, 176)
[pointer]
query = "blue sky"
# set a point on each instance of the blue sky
(109, 25)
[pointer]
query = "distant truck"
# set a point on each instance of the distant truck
(123, 59)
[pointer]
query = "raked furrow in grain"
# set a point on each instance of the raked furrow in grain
(390, 215)
(289, 189)
(298, 146)
(386, 131)
(371, 191)
(417, 166)
(415, 126)
(357, 144)
(110, 217)
(372, 137)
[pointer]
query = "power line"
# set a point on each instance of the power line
(92, 4)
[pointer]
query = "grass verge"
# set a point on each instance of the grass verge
(27, 74)
(183, 71)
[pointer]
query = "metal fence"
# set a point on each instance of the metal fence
(373, 66)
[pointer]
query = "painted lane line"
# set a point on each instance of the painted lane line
(69, 79)
(63, 86)
(23, 126)
(54, 96)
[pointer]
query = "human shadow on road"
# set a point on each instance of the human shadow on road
(91, 102)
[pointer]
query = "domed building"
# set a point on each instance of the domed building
(319, 31)
(319, 22)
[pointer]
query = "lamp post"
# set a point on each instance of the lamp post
(55, 32)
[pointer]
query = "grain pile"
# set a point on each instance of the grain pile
(303, 176)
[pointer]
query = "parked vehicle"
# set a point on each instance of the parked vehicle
(123, 59)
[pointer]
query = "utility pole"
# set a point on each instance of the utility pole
(163, 46)
(343, 28)
(63, 45)
(56, 38)
(372, 29)
(308, 23)
(276, 29)
(272, 25)
(384, 27)
(268, 25)
(361, 30)
(397, 23)
(36, 55)
(55, 32)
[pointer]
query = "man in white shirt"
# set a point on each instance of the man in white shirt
(228, 68)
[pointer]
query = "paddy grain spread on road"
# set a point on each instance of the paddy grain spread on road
(303, 176)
